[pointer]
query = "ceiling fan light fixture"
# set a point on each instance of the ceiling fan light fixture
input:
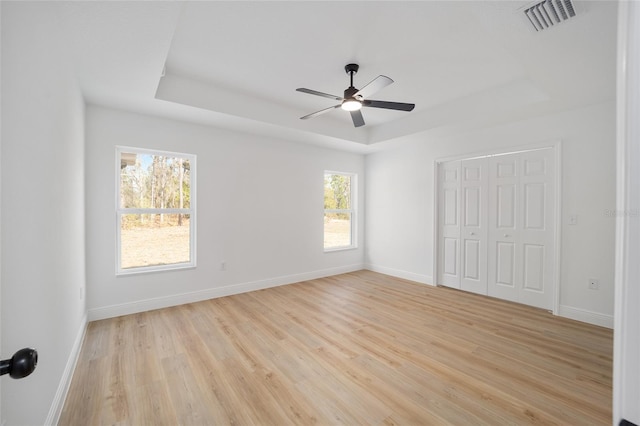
(355, 99)
(351, 105)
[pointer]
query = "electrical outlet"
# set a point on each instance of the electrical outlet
(594, 284)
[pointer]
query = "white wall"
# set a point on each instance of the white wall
(42, 210)
(400, 201)
(259, 209)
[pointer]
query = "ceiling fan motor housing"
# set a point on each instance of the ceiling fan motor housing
(351, 68)
(349, 92)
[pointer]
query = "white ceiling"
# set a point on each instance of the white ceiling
(237, 64)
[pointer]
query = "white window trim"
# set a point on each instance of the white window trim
(352, 211)
(191, 211)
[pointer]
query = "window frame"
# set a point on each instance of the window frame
(352, 211)
(120, 211)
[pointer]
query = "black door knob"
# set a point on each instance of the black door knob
(21, 364)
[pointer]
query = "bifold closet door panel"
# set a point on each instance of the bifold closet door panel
(473, 221)
(537, 234)
(503, 238)
(449, 224)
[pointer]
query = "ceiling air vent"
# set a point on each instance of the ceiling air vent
(548, 13)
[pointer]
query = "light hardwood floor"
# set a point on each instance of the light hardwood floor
(359, 348)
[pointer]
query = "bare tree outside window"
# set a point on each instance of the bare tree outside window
(338, 211)
(155, 216)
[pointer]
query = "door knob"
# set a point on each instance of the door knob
(21, 364)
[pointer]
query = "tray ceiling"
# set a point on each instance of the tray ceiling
(237, 64)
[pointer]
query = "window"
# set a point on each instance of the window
(155, 210)
(339, 211)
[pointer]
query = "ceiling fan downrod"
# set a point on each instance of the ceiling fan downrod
(351, 69)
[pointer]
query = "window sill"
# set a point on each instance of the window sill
(335, 249)
(154, 269)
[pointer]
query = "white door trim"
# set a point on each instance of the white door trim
(626, 347)
(556, 145)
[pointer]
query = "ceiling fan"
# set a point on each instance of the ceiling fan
(354, 99)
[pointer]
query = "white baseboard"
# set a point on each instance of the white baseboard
(583, 315)
(65, 382)
(212, 293)
(398, 273)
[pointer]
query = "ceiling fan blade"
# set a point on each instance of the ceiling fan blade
(388, 105)
(314, 92)
(378, 83)
(357, 118)
(317, 113)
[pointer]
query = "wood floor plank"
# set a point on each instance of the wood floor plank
(358, 348)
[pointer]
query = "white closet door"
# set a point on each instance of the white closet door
(473, 230)
(521, 257)
(503, 232)
(538, 228)
(449, 224)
